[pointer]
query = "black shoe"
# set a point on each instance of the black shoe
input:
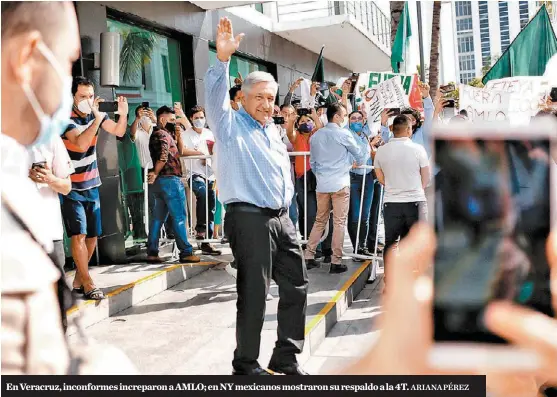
(365, 251)
(327, 259)
(234, 265)
(224, 240)
(318, 255)
(252, 371)
(207, 249)
(311, 264)
(288, 369)
(335, 269)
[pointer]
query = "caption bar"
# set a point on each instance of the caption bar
(392, 386)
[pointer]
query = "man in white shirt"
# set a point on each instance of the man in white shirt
(402, 167)
(201, 177)
(140, 132)
(50, 168)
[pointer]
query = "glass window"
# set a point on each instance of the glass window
(238, 64)
(150, 71)
(466, 44)
(463, 8)
(463, 24)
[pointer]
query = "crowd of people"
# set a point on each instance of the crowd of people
(50, 161)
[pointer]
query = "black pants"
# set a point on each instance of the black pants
(265, 247)
(399, 219)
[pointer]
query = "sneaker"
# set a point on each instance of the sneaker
(311, 264)
(224, 240)
(207, 249)
(319, 255)
(335, 269)
(365, 251)
(327, 259)
(190, 259)
(231, 270)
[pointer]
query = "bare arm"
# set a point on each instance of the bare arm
(45, 175)
(291, 132)
(118, 129)
(424, 173)
(133, 129)
(380, 176)
(83, 139)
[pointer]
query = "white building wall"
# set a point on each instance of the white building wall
(494, 28)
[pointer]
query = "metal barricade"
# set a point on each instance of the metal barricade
(375, 257)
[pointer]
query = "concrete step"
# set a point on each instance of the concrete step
(190, 327)
(127, 285)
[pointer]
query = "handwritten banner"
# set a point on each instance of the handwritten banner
(409, 83)
(484, 104)
(524, 93)
(388, 94)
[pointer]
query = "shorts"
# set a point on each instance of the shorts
(81, 217)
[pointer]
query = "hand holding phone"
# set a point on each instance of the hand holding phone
(303, 112)
(108, 107)
(278, 119)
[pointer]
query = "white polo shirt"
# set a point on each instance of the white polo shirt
(56, 156)
(401, 161)
(195, 141)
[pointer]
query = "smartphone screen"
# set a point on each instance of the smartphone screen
(492, 219)
(108, 107)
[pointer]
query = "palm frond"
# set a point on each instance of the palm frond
(136, 51)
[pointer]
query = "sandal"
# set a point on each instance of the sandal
(95, 294)
(78, 290)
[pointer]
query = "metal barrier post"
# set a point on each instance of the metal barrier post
(375, 263)
(146, 200)
(360, 213)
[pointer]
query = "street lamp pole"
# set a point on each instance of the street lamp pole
(421, 40)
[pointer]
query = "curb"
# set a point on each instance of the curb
(124, 297)
(320, 325)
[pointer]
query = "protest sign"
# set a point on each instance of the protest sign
(409, 83)
(484, 104)
(525, 93)
(388, 94)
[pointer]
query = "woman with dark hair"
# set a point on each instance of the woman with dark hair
(299, 130)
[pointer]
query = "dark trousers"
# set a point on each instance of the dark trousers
(374, 215)
(265, 247)
(136, 204)
(204, 203)
(399, 219)
(325, 246)
(356, 184)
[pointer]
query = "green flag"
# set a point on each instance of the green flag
(403, 32)
(529, 52)
(319, 72)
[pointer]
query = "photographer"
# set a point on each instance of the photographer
(140, 132)
(81, 207)
(299, 130)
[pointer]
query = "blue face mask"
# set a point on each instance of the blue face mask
(357, 126)
(57, 123)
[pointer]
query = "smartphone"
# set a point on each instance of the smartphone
(353, 81)
(278, 119)
(447, 88)
(323, 87)
(449, 103)
(553, 94)
(304, 112)
(494, 215)
(108, 107)
(393, 111)
(39, 164)
(145, 104)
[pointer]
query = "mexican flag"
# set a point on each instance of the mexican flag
(400, 44)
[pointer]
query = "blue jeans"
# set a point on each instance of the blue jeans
(200, 190)
(169, 197)
(356, 182)
(374, 216)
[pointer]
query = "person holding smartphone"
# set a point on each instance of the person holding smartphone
(50, 168)
(81, 208)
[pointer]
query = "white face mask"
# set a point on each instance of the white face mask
(344, 123)
(199, 123)
(323, 119)
(84, 106)
(145, 123)
(239, 105)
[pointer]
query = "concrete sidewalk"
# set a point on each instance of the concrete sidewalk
(190, 328)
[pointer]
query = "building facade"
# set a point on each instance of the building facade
(175, 43)
(484, 30)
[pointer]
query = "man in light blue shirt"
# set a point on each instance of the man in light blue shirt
(333, 150)
(254, 180)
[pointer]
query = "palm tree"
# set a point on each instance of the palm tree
(434, 53)
(136, 51)
(396, 10)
